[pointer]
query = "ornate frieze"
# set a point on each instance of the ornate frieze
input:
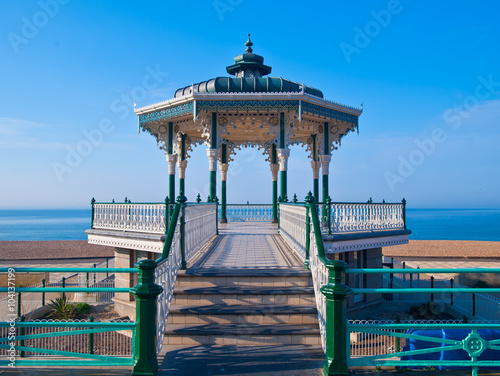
(166, 113)
(247, 106)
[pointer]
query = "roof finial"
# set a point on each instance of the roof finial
(249, 45)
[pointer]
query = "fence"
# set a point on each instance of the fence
(110, 343)
(480, 306)
(379, 343)
(249, 212)
(340, 217)
(138, 217)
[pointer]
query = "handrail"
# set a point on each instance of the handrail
(170, 234)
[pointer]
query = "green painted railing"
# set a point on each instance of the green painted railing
(337, 329)
(144, 355)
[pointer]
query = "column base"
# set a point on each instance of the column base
(274, 221)
(223, 220)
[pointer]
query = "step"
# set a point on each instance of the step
(243, 295)
(242, 334)
(243, 277)
(241, 314)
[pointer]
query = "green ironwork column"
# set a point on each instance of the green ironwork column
(315, 165)
(223, 177)
(182, 167)
(171, 160)
(325, 160)
(146, 293)
(213, 155)
(336, 295)
(274, 172)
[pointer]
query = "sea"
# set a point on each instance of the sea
(425, 224)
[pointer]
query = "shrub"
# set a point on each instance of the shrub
(82, 308)
(62, 309)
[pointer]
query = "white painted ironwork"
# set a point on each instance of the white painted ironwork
(200, 227)
(293, 227)
(249, 213)
(293, 230)
(319, 273)
(165, 276)
(148, 218)
(347, 217)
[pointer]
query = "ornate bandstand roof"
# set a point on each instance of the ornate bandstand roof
(249, 109)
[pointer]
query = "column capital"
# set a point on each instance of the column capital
(223, 167)
(171, 160)
(283, 155)
(315, 167)
(182, 168)
(274, 171)
(325, 162)
(213, 155)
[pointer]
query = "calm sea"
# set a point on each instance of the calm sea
(426, 224)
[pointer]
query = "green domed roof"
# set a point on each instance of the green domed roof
(248, 70)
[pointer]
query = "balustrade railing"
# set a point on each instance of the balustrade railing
(348, 344)
(88, 343)
(134, 217)
(249, 212)
(338, 217)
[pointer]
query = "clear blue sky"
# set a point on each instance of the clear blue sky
(427, 72)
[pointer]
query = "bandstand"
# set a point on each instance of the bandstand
(248, 109)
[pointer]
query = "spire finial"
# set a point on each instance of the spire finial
(249, 45)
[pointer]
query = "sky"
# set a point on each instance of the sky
(427, 73)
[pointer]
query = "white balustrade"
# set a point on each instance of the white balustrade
(249, 213)
(293, 230)
(293, 227)
(347, 217)
(200, 227)
(148, 218)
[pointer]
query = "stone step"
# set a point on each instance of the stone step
(242, 334)
(243, 295)
(243, 277)
(241, 314)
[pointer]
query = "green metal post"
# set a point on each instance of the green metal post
(95, 266)
(19, 305)
(43, 293)
(91, 337)
(182, 184)
(336, 295)
(92, 202)
(216, 215)
(329, 214)
(274, 172)
(171, 192)
(213, 185)
(315, 167)
(223, 218)
(167, 213)
(63, 283)
(223, 170)
(146, 293)
(451, 295)
(107, 266)
(398, 340)
(182, 200)
(22, 332)
(404, 213)
(284, 197)
(171, 172)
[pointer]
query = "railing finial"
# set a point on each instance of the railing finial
(309, 198)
